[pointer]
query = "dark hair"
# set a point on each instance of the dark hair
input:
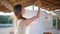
(17, 10)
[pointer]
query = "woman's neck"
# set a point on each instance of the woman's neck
(21, 17)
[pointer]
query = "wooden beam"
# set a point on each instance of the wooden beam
(6, 4)
(50, 3)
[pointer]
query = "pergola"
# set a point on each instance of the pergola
(7, 5)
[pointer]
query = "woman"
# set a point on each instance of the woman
(22, 22)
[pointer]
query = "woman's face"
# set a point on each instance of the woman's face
(22, 12)
(19, 14)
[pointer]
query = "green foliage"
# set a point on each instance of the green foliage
(54, 21)
(4, 19)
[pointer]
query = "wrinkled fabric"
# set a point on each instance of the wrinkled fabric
(19, 29)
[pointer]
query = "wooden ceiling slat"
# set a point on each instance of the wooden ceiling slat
(50, 3)
(46, 4)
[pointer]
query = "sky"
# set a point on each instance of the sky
(28, 8)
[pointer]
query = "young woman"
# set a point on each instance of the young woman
(20, 22)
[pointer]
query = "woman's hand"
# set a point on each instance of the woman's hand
(39, 5)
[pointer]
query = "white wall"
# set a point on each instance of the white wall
(57, 13)
(48, 23)
(5, 30)
(43, 25)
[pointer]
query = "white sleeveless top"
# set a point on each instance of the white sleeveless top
(19, 29)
